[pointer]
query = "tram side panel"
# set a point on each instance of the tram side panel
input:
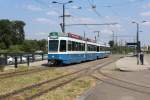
(65, 50)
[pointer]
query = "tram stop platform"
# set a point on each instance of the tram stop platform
(129, 63)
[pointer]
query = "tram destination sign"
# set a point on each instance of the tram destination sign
(74, 36)
(53, 35)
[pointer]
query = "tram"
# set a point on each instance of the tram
(68, 48)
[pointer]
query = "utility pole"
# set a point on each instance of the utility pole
(84, 35)
(98, 33)
(97, 36)
(92, 25)
(63, 27)
(113, 35)
(63, 22)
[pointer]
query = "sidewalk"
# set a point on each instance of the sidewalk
(120, 90)
(130, 64)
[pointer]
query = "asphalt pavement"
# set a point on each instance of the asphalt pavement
(130, 85)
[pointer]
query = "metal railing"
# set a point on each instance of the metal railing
(20, 58)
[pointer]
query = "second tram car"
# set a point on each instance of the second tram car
(70, 48)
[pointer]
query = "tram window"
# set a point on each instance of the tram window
(79, 46)
(87, 47)
(92, 48)
(53, 45)
(100, 48)
(103, 48)
(69, 45)
(76, 46)
(82, 47)
(63, 46)
(97, 48)
(73, 46)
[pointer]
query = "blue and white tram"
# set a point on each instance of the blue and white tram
(70, 48)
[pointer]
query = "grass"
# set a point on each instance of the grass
(13, 83)
(20, 68)
(70, 91)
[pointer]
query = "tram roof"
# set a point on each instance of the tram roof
(55, 35)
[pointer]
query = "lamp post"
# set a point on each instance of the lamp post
(63, 23)
(137, 40)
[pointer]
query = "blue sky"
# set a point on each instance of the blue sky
(42, 17)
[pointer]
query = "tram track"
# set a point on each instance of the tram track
(25, 72)
(121, 86)
(122, 83)
(51, 84)
(117, 79)
(20, 73)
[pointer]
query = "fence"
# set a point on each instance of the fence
(20, 58)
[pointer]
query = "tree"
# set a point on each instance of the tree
(30, 46)
(18, 32)
(42, 44)
(5, 33)
(11, 32)
(111, 43)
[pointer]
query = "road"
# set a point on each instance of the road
(133, 85)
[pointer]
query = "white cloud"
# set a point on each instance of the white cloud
(75, 7)
(147, 5)
(33, 8)
(42, 33)
(106, 31)
(146, 24)
(52, 13)
(86, 20)
(44, 21)
(146, 14)
(83, 20)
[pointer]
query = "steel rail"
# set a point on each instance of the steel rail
(84, 70)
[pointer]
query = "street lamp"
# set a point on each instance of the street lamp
(64, 3)
(137, 39)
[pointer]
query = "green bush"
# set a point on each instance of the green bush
(15, 48)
